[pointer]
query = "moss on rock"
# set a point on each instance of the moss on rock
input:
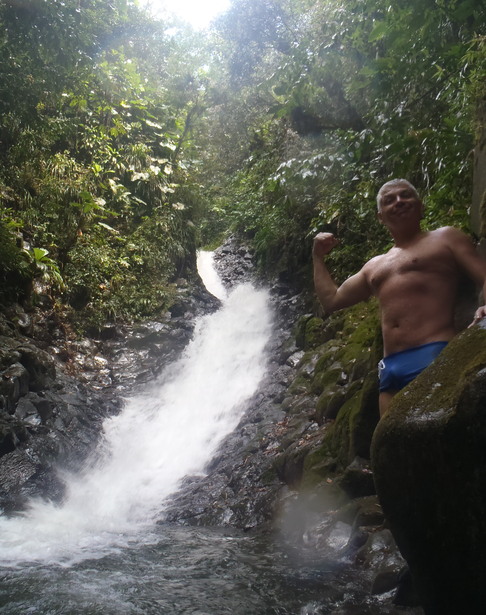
(429, 463)
(341, 373)
(445, 380)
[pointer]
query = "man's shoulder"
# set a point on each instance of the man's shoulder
(375, 262)
(450, 237)
(446, 232)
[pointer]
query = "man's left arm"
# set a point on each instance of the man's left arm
(469, 259)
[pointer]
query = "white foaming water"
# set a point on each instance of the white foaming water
(212, 281)
(170, 431)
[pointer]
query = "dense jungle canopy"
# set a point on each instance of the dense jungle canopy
(127, 141)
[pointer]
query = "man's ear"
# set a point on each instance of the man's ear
(379, 216)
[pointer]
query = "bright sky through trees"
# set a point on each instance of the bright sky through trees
(199, 13)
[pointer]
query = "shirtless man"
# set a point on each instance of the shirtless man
(416, 283)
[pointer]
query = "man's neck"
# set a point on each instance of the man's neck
(405, 237)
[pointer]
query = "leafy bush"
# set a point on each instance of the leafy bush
(345, 97)
(15, 274)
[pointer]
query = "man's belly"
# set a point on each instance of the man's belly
(399, 335)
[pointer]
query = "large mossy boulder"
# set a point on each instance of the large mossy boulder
(429, 464)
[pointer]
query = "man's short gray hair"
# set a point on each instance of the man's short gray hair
(391, 183)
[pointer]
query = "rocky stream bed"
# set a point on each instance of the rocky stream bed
(298, 464)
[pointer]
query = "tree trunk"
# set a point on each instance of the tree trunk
(478, 212)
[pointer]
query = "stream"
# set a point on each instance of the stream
(104, 550)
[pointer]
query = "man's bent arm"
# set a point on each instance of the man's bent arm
(471, 262)
(332, 297)
(480, 313)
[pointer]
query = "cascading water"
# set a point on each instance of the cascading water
(209, 275)
(102, 552)
(167, 432)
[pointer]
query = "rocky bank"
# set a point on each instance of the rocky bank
(298, 464)
(56, 389)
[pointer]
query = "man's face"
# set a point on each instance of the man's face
(399, 205)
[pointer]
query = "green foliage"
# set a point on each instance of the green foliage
(358, 93)
(14, 274)
(114, 278)
(92, 134)
(43, 266)
(126, 144)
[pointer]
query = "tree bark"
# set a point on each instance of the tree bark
(478, 210)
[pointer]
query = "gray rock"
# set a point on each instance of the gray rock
(14, 382)
(429, 463)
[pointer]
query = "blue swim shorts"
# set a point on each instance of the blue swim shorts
(398, 369)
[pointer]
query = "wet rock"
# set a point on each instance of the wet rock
(406, 594)
(369, 512)
(234, 262)
(22, 477)
(110, 331)
(362, 512)
(15, 470)
(39, 365)
(379, 553)
(192, 299)
(12, 434)
(25, 410)
(385, 581)
(46, 416)
(8, 352)
(294, 359)
(13, 384)
(357, 479)
(429, 464)
(330, 401)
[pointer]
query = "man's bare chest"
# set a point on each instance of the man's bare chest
(415, 267)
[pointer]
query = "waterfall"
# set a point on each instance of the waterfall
(162, 435)
(209, 275)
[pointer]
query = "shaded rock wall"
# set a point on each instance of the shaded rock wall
(429, 463)
(56, 390)
(337, 379)
(331, 405)
(478, 208)
(47, 417)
